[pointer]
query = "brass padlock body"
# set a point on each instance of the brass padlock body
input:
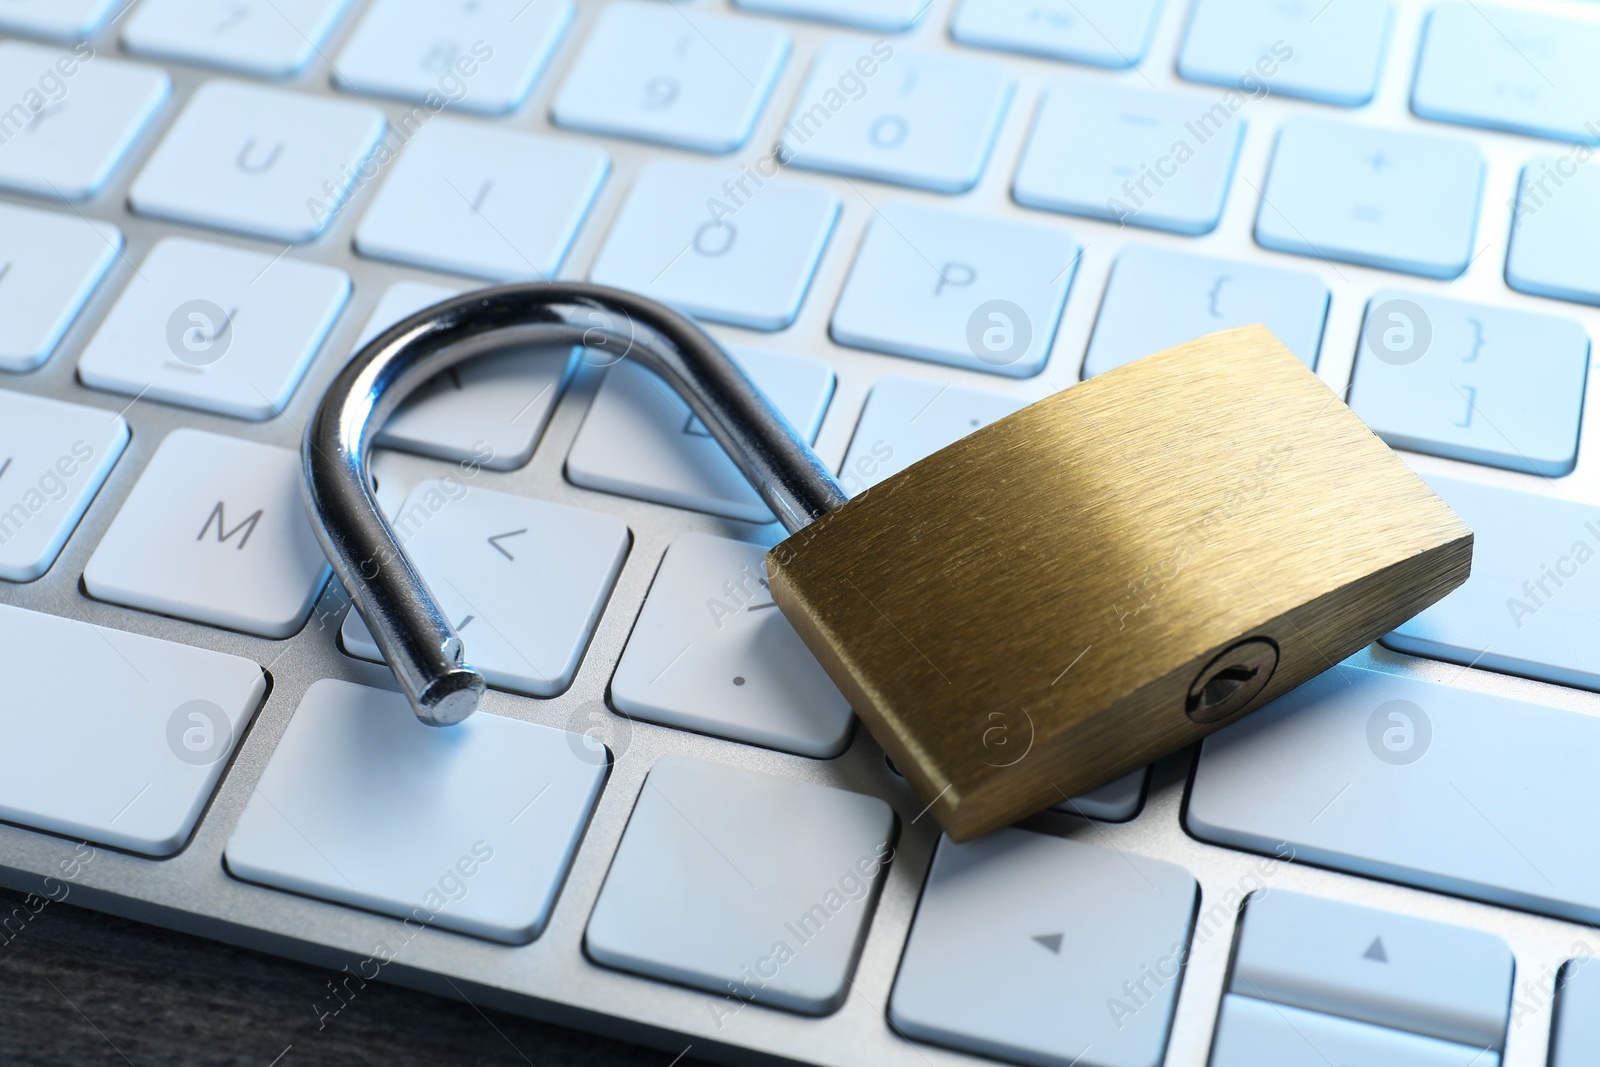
(1052, 601)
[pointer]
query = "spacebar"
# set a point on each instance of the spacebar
(1414, 782)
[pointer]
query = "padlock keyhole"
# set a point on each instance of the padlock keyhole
(1224, 684)
(1232, 680)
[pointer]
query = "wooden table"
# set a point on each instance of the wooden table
(83, 989)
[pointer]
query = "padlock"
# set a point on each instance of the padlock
(1082, 587)
(1111, 573)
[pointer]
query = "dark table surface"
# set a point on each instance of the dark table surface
(82, 989)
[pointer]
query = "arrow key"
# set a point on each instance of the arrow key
(1050, 942)
(1044, 950)
(1397, 971)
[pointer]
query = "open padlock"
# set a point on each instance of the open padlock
(1059, 598)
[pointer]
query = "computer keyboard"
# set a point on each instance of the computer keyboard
(905, 219)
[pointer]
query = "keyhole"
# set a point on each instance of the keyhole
(1232, 680)
(1224, 684)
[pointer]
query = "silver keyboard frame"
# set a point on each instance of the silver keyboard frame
(551, 978)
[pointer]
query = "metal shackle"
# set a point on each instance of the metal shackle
(415, 637)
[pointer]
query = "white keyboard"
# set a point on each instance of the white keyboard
(905, 219)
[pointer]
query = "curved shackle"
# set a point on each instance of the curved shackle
(415, 637)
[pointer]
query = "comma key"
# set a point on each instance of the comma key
(524, 581)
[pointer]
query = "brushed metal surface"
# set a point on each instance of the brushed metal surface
(553, 978)
(1021, 616)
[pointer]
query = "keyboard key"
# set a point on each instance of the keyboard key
(947, 287)
(66, 144)
(1043, 950)
(115, 738)
(470, 828)
(890, 15)
(1116, 801)
(1472, 382)
(1414, 782)
(1129, 155)
(710, 654)
(1157, 299)
(1530, 605)
(491, 410)
(1380, 198)
(1253, 1033)
(746, 261)
(49, 264)
(56, 20)
(1509, 70)
(924, 119)
(482, 56)
(214, 531)
(1103, 33)
(53, 459)
(1575, 1041)
(660, 72)
(524, 581)
(497, 204)
(263, 162)
(907, 419)
(638, 438)
(1331, 54)
(749, 886)
(273, 38)
(1444, 981)
(215, 328)
(1557, 225)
